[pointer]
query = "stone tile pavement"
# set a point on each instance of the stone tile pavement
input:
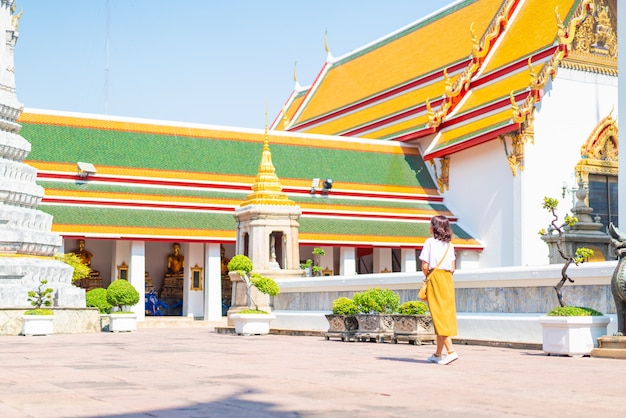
(196, 372)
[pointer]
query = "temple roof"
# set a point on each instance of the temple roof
(457, 78)
(160, 180)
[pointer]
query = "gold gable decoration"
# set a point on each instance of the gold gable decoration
(454, 91)
(593, 47)
(599, 154)
(267, 189)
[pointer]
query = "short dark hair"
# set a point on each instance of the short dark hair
(441, 228)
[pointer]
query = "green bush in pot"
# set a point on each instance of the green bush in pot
(121, 293)
(376, 300)
(413, 307)
(344, 306)
(97, 298)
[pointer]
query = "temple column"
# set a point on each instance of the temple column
(382, 260)
(136, 276)
(347, 261)
(408, 260)
(213, 283)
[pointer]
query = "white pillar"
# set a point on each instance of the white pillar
(347, 261)
(136, 275)
(382, 260)
(213, 283)
(408, 260)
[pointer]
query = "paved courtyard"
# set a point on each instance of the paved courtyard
(195, 372)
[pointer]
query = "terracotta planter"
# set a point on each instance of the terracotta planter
(252, 324)
(37, 325)
(416, 329)
(572, 335)
(374, 327)
(123, 322)
(341, 326)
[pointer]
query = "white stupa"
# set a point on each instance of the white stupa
(27, 245)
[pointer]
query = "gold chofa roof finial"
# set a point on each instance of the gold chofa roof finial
(267, 189)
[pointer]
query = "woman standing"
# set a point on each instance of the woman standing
(438, 250)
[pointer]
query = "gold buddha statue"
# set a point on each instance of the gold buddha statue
(175, 261)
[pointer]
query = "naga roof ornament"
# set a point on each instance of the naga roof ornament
(480, 48)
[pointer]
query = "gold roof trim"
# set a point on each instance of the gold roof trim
(267, 189)
(454, 91)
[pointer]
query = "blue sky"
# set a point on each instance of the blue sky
(205, 61)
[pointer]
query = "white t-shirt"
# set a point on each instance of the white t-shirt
(433, 251)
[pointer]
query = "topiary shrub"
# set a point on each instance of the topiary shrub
(39, 298)
(240, 263)
(265, 285)
(573, 311)
(375, 300)
(97, 298)
(121, 293)
(344, 306)
(413, 307)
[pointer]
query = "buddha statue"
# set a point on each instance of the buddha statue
(224, 260)
(172, 286)
(175, 261)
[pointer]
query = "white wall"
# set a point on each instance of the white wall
(481, 196)
(505, 212)
(570, 109)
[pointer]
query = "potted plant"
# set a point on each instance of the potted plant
(122, 294)
(314, 265)
(40, 320)
(252, 321)
(569, 330)
(572, 330)
(342, 322)
(413, 323)
(376, 307)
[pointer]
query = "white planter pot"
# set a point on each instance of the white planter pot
(37, 324)
(252, 324)
(572, 335)
(122, 322)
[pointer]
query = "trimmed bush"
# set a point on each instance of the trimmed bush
(121, 293)
(344, 306)
(375, 300)
(265, 285)
(240, 263)
(97, 298)
(413, 307)
(573, 311)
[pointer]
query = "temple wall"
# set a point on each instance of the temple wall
(502, 290)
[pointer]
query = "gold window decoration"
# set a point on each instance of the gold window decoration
(122, 271)
(327, 272)
(196, 278)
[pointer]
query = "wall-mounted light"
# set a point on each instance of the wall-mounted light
(315, 183)
(86, 169)
(327, 185)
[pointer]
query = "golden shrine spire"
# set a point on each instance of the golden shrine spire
(267, 189)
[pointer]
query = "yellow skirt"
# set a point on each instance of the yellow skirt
(441, 302)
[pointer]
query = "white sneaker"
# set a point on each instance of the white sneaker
(436, 359)
(448, 359)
